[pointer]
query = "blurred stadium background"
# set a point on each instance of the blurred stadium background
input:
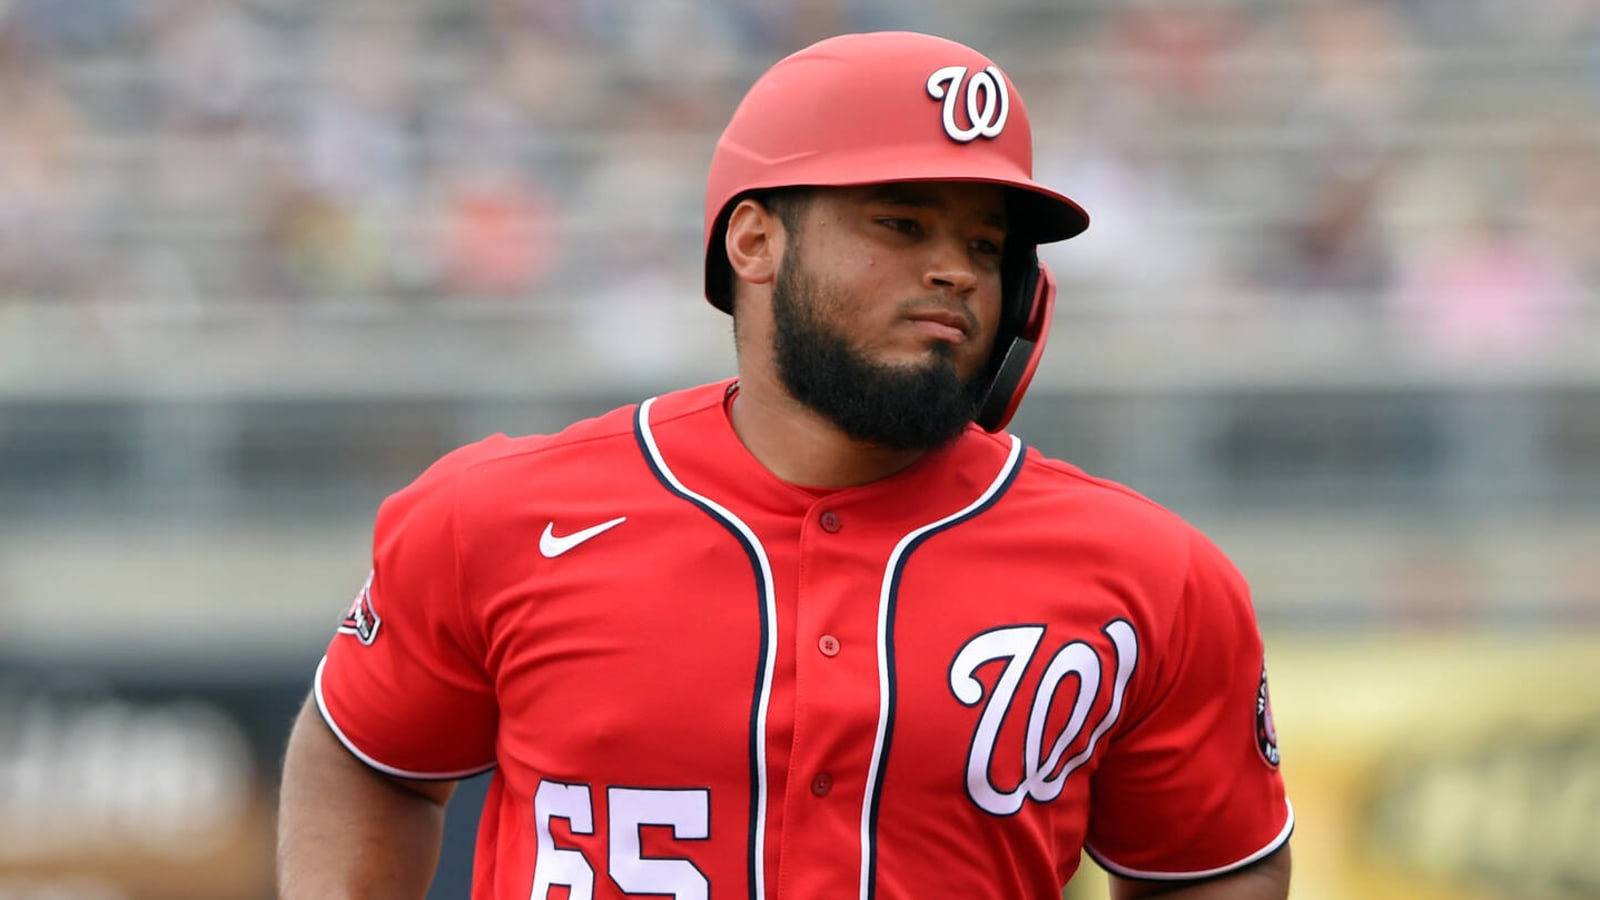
(263, 260)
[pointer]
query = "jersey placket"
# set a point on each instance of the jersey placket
(836, 701)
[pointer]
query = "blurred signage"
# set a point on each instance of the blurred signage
(1521, 812)
(1430, 765)
(1421, 766)
(1437, 766)
(131, 793)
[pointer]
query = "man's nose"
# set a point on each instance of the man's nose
(950, 267)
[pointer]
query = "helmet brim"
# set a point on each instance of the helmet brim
(1050, 216)
(1040, 215)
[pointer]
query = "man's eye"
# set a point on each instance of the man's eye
(909, 226)
(986, 247)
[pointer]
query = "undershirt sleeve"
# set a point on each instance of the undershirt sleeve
(1191, 788)
(403, 684)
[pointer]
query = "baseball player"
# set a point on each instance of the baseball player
(825, 629)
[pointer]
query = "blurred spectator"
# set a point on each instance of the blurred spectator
(315, 248)
(355, 130)
(675, 50)
(496, 222)
(559, 21)
(1484, 292)
(202, 196)
(1562, 185)
(40, 137)
(1332, 245)
(329, 224)
(1154, 248)
(767, 28)
(1149, 251)
(497, 233)
(1174, 54)
(559, 88)
(76, 27)
(1361, 67)
(1551, 23)
(209, 58)
(638, 261)
(773, 27)
(1237, 158)
(1346, 117)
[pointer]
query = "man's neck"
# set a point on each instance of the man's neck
(800, 446)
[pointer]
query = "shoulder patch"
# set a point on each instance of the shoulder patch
(1266, 730)
(362, 619)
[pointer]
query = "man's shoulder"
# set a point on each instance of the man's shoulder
(1071, 483)
(1113, 524)
(502, 455)
(1077, 499)
(589, 448)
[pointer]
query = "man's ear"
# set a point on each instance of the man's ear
(754, 242)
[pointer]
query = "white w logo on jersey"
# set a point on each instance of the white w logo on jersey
(988, 102)
(1043, 776)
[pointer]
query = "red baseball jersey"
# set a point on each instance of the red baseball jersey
(695, 680)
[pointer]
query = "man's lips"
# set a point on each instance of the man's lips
(947, 325)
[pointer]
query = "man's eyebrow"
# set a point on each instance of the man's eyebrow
(902, 195)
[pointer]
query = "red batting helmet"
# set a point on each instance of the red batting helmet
(899, 106)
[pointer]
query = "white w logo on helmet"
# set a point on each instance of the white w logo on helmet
(988, 103)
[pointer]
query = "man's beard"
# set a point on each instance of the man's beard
(896, 407)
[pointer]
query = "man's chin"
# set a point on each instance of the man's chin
(920, 360)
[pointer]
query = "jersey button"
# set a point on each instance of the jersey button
(830, 522)
(828, 644)
(822, 784)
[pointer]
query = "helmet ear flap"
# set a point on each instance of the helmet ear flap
(719, 272)
(1028, 307)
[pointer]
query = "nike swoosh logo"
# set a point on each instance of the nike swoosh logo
(552, 545)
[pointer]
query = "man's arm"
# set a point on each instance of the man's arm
(347, 831)
(1264, 880)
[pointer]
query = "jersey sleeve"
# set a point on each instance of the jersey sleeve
(403, 684)
(1190, 788)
